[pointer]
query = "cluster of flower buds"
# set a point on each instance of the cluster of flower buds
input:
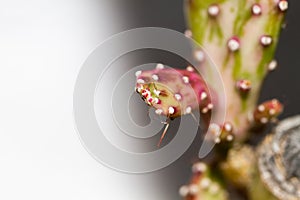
(223, 134)
(204, 184)
(267, 111)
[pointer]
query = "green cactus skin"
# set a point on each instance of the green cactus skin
(241, 38)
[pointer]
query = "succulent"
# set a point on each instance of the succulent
(241, 37)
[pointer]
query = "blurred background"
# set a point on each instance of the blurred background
(42, 46)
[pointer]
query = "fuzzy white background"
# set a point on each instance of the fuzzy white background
(42, 46)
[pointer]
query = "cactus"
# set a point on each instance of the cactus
(241, 37)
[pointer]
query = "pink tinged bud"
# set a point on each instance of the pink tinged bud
(161, 96)
(233, 44)
(267, 111)
(256, 9)
(243, 85)
(266, 40)
(283, 5)
(213, 10)
(275, 105)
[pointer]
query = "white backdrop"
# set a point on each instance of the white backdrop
(42, 46)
